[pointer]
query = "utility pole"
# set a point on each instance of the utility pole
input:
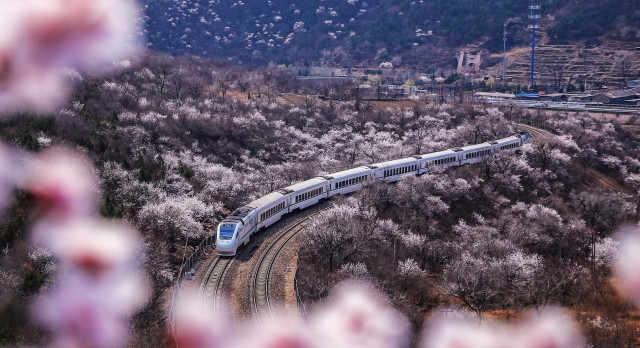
(534, 16)
(504, 58)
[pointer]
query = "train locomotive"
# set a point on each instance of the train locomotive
(238, 227)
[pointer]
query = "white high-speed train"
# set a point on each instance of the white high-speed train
(238, 227)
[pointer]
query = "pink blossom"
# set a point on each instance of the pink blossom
(63, 184)
(627, 267)
(100, 287)
(461, 334)
(552, 328)
(79, 33)
(80, 317)
(6, 175)
(199, 326)
(279, 334)
(97, 249)
(38, 39)
(358, 316)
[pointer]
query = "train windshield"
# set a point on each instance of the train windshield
(226, 231)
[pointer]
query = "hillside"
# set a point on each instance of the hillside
(332, 32)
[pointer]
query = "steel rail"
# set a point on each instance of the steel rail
(211, 285)
(260, 280)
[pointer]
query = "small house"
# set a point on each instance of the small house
(618, 97)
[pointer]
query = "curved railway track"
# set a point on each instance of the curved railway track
(260, 277)
(537, 132)
(212, 282)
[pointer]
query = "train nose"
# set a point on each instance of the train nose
(226, 248)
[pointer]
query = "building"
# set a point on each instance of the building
(619, 97)
(527, 96)
(553, 97)
(633, 84)
(469, 63)
(495, 95)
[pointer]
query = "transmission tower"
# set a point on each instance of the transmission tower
(504, 57)
(534, 16)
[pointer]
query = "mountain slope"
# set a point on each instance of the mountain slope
(345, 32)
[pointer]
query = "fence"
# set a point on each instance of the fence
(537, 124)
(187, 265)
(301, 308)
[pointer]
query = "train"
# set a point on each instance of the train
(238, 227)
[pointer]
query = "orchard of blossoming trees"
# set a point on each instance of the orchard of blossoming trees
(102, 188)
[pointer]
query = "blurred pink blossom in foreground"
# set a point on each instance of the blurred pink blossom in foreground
(100, 285)
(627, 267)
(198, 326)
(355, 316)
(63, 184)
(553, 328)
(6, 175)
(358, 316)
(40, 39)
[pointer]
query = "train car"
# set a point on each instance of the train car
(394, 170)
(446, 158)
(514, 143)
(475, 153)
(237, 228)
(348, 181)
(307, 193)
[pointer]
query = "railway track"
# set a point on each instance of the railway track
(210, 288)
(260, 278)
(537, 132)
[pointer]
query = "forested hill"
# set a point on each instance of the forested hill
(344, 32)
